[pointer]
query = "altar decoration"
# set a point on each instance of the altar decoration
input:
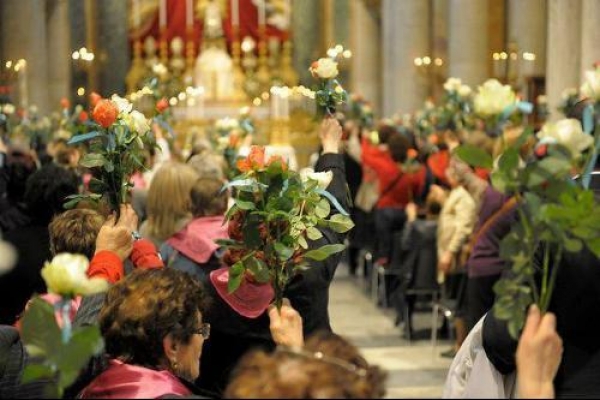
(59, 351)
(557, 212)
(276, 213)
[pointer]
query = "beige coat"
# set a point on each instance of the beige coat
(456, 222)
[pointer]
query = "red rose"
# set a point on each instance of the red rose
(65, 103)
(83, 116)
(162, 105)
(412, 154)
(541, 151)
(94, 99)
(105, 113)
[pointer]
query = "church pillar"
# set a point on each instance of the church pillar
(113, 58)
(406, 36)
(590, 34)
(564, 47)
(366, 59)
(23, 32)
(59, 48)
(527, 27)
(468, 52)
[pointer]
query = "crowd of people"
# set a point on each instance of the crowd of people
(170, 326)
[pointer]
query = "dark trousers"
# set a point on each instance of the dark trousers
(480, 298)
(387, 221)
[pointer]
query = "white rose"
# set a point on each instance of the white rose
(567, 132)
(123, 105)
(591, 86)
(138, 123)
(8, 109)
(222, 143)
(452, 84)
(66, 275)
(323, 178)
(493, 97)
(8, 259)
(464, 91)
(325, 68)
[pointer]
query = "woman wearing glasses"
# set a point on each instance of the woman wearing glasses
(152, 325)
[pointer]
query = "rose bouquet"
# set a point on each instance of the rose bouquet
(458, 105)
(276, 213)
(329, 93)
(60, 352)
(556, 214)
(116, 143)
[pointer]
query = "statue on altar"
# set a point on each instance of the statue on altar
(214, 66)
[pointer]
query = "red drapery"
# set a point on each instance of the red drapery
(176, 24)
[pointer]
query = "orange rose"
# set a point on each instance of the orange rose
(433, 139)
(105, 113)
(244, 165)
(412, 154)
(83, 116)
(94, 99)
(234, 140)
(65, 103)
(280, 160)
(162, 105)
(257, 157)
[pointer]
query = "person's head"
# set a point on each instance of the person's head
(398, 146)
(169, 198)
(385, 132)
(46, 191)
(207, 198)
(20, 165)
(209, 165)
(433, 208)
(75, 231)
(68, 157)
(327, 367)
(153, 318)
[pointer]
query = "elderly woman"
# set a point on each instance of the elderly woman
(152, 325)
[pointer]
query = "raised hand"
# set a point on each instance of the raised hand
(115, 236)
(330, 133)
(286, 325)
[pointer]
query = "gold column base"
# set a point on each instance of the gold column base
(280, 132)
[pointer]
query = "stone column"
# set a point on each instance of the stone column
(527, 27)
(406, 36)
(305, 35)
(59, 48)
(468, 52)
(23, 32)
(113, 54)
(564, 47)
(590, 34)
(366, 59)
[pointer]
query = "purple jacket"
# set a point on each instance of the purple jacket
(485, 257)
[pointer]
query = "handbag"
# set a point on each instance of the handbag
(368, 193)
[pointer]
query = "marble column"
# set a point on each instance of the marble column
(440, 45)
(590, 34)
(468, 52)
(23, 32)
(306, 33)
(527, 27)
(406, 36)
(366, 59)
(113, 45)
(564, 48)
(58, 41)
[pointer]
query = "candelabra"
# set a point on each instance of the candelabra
(509, 65)
(262, 74)
(137, 71)
(238, 72)
(433, 70)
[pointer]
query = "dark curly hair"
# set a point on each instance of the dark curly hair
(328, 367)
(141, 310)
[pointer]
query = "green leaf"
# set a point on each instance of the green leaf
(594, 246)
(72, 203)
(284, 253)
(41, 334)
(509, 160)
(322, 209)
(245, 205)
(259, 269)
(340, 223)
(84, 137)
(474, 156)
(236, 274)
(324, 252)
(34, 372)
(313, 233)
(302, 242)
(85, 343)
(572, 245)
(92, 160)
(109, 166)
(98, 186)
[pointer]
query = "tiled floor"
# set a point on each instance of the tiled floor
(415, 369)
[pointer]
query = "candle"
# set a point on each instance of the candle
(261, 13)
(136, 14)
(189, 14)
(235, 12)
(162, 14)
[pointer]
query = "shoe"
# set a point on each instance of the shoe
(449, 353)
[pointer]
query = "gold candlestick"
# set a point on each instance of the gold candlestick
(137, 70)
(262, 74)
(288, 73)
(188, 76)
(238, 73)
(164, 47)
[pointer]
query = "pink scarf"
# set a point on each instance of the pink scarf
(124, 381)
(197, 240)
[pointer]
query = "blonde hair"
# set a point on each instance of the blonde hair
(169, 199)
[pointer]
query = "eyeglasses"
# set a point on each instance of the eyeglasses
(319, 356)
(204, 330)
